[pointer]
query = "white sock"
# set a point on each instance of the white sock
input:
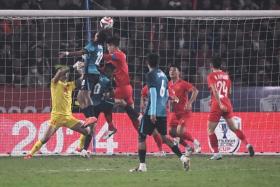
(142, 165)
(182, 158)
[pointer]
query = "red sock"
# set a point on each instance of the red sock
(241, 136)
(187, 136)
(158, 141)
(111, 126)
(214, 142)
(109, 119)
(183, 143)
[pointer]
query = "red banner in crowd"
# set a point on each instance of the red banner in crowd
(18, 132)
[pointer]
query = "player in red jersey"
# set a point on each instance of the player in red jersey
(181, 108)
(143, 105)
(219, 84)
(123, 88)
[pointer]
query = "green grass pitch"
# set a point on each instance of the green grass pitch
(106, 171)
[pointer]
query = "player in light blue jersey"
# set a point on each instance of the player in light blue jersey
(103, 101)
(155, 114)
(92, 54)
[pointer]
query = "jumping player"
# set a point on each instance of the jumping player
(61, 114)
(123, 88)
(155, 114)
(102, 96)
(92, 54)
(181, 108)
(143, 105)
(219, 84)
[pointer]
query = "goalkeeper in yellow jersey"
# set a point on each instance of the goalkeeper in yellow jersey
(61, 114)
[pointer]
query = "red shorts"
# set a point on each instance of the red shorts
(216, 113)
(125, 93)
(178, 119)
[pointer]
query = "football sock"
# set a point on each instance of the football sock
(88, 138)
(87, 141)
(142, 155)
(132, 113)
(36, 147)
(108, 117)
(241, 136)
(214, 142)
(183, 143)
(158, 141)
(82, 141)
(187, 136)
(176, 150)
(111, 126)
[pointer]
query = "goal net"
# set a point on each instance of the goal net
(248, 43)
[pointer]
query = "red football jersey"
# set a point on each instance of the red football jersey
(222, 83)
(180, 89)
(144, 91)
(118, 59)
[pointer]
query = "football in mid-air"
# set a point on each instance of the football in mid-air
(106, 22)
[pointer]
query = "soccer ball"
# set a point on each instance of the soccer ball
(106, 23)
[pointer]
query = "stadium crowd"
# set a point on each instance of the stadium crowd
(250, 48)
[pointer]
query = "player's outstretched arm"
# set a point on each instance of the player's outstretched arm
(61, 72)
(63, 54)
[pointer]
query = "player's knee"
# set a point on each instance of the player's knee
(210, 130)
(141, 137)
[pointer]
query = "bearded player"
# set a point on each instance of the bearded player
(123, 89)
(219, 84)
(181, 109)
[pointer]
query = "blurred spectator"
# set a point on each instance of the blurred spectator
(204, 5)
(29, 4)
(70, 4)
(175, 5)
(163, 4)
(248, 5)
(108, 5)
(227, 5)
(188, 4)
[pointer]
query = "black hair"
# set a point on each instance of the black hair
(109, 66)
(102, 37)
(153, 59)
(217, 62)
(175, 65)
(114, 40)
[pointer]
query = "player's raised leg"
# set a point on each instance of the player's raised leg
(37, 146)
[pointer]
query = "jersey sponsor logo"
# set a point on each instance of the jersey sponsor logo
(227, 140)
